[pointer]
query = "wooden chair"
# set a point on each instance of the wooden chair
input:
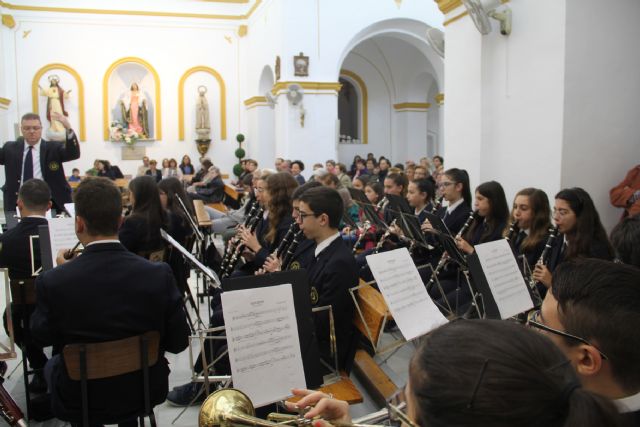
(371, 316)
(201, 214)
(86, 362)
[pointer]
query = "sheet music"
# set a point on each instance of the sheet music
(504, 278)
(262, 337)
(71, 209)
(62, 235)
(398, 279)
(206, 270)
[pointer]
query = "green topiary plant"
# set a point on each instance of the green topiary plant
(239, 153)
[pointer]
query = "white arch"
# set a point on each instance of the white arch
(266, 81)
(409, 30)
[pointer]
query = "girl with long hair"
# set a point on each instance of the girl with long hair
(140, 231)
(531, 217)
(581, 233)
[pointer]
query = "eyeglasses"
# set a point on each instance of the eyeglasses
(303, 215)
(534, 321)
(31, 128)
(446, 184)
(396, 407)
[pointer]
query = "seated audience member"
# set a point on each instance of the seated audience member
(140, 230)
(438, 167)
(106, 294)
(186, 167)
(144, 167)
(278, 163)
(625, 238)
(34, 200)
(591, 313)
(581, 233)
(104, 171)
(75, 175)
(330, 166)
(420, 172)
(205, 164)
(211, 188)
(165, 164)
(331, 180)
(296, 170)
(361, 169)
(483, 373)
(410, 171)
(221, 222)
(352, 169)
(341, 172)
(360, 181)
(172, 170)
(626, 195)
(154, 172)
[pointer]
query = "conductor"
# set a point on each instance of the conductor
(33, 157)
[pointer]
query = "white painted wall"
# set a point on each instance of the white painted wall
(602, 87)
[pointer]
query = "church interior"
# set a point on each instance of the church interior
(508, 91)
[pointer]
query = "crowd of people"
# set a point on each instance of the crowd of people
(574, 365)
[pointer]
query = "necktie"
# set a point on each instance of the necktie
(28, 165)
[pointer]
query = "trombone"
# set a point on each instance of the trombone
(230, 407)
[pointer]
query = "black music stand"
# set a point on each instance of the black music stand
(306, 329)
(45, 248)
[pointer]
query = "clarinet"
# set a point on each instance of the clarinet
(9, 410)
(382, 204)
(365, 227)
(443, 258)
(287, 240)
(231, 246)
(239, 247)
(513, 229)
(384, 237)
(542, 261)
(437, 205)
(291, 250)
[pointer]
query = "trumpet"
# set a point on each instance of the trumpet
(231, 407)
(443, 258)
(365, 227)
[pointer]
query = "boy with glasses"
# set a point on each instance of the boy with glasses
(592, 314)
(333, 270)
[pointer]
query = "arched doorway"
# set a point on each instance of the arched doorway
(261, 142)
(399, 70)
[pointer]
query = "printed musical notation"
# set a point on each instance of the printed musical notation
(262, 337)
(399, 281)
(62, 235)
(504, 278)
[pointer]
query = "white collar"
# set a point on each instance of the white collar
(35, 146)
(452, 207)
(418, 212)
(325, 243)
(628, 404)
(98, 242)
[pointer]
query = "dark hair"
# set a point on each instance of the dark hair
(146, 202)
(541, 217)
(303, 188)
(174, 189)
(99, 203)
(399, 166)
(331, 162)
(496, 373)
(280, 187)
(182, 163)
(342, 167)
(247, 179)
(439, 158)
(460, 176)
(598, 300)
(75, 170)
(377, 187)
(325, 200)
(588, 227)
(206, 163)
(30, 116)
(330, 178)
(498, 210)
(35, 194)
(299, 163)
(425, 186)
(399, 179)
(625, 238)
(363, 178)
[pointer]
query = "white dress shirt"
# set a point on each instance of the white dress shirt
(325, 243)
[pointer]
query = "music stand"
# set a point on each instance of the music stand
(306, 329)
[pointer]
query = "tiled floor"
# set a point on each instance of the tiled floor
(395, 367)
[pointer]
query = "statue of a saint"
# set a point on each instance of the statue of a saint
(203, 125)
(133, 106)
(55, 104)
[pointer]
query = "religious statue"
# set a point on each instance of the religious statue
(55, 104)
(203, 125)
(135, 114)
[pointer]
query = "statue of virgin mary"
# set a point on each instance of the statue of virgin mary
(134, 108)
